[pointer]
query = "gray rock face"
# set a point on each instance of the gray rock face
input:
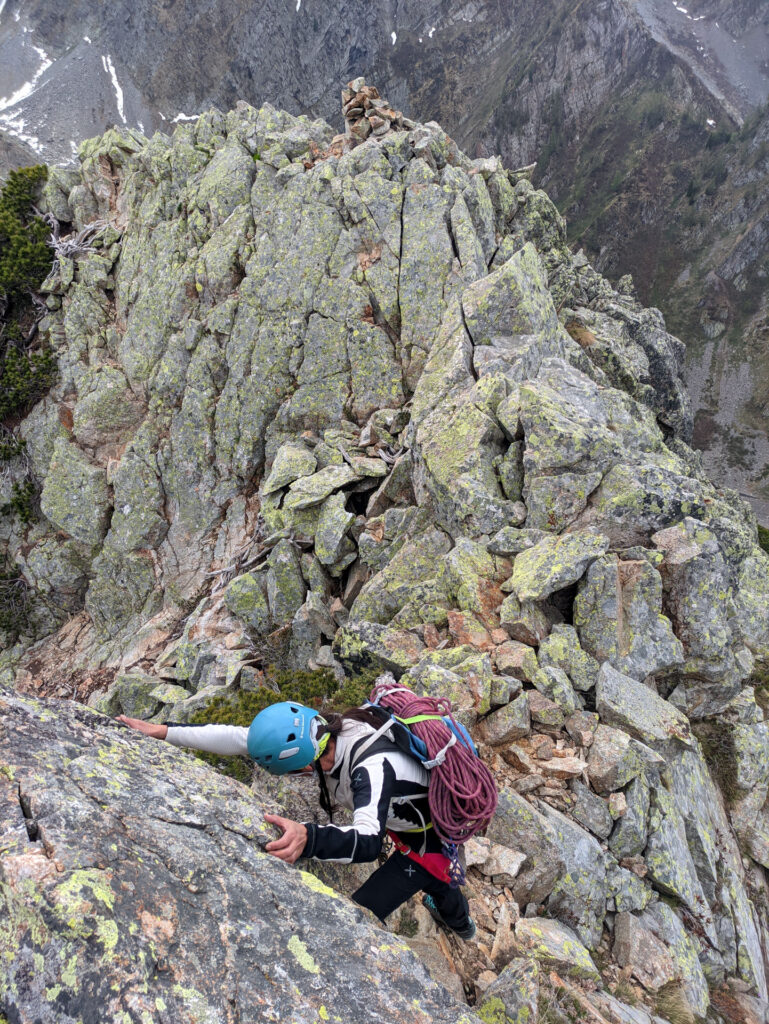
(579, 896)
(112, 933)
(520, 826)
(618, 616)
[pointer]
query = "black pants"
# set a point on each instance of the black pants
(398, 879)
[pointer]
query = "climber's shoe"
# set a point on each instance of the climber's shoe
(466, 933)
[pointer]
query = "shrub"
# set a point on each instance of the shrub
(25, 260)
(14, 603)
(24, 377)
(22, 503)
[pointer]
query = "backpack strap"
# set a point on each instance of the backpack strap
(364, 746)
(441, 754)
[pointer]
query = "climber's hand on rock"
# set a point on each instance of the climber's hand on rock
(157, 731)
(290, 845)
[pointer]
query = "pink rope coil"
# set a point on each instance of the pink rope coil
(462, 794)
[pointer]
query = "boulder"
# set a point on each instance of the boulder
(554, 945)
(509, 723)
(360, 646)
(75, 495)
(246, 598)
(554, 684)
(640, 950)
(590, 810)
(314, 489)
(618, 616)
(663, 922)
(628, 838)
(613, 760)
(286, 588)
(554, 563)
(87, 911)
(578, 898)
(521, 827)
(292, 461)
(514, 994)
(562, 649)
(627, 704)
(693, 567)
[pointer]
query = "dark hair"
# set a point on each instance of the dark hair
(335, 725)
(336, 721)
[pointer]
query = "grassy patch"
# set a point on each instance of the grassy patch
(672, 1005)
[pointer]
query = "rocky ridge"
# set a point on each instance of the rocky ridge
(327, 402)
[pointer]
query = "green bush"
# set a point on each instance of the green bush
(25, 260)
(22, 503)
(11, 447)
(763, 537)
(24, 377)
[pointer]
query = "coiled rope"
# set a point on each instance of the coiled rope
(462, 794)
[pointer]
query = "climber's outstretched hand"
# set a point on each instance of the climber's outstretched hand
(290, 845)
(154, 729)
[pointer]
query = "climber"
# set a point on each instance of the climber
(385, 789)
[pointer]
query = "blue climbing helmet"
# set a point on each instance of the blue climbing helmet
(284, 737)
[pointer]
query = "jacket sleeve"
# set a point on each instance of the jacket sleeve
(372, 788)
(216, 739)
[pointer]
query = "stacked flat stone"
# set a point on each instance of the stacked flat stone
(366, 113)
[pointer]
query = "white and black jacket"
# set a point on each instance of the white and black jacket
(385, 789)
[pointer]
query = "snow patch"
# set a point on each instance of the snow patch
(15, 126)
(393, 36)
(2, 7)
(109, 67)
(298, 4)
(710, 123)
(430, 33)
(86, 40)
(183, 117)
(683, 10)
(28, 88)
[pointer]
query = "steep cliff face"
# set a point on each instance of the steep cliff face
(351, 402)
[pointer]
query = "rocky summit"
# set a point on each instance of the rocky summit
(349, 402)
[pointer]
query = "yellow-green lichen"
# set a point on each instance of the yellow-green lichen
(299, 951)
(91, 879)
(316, 885)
